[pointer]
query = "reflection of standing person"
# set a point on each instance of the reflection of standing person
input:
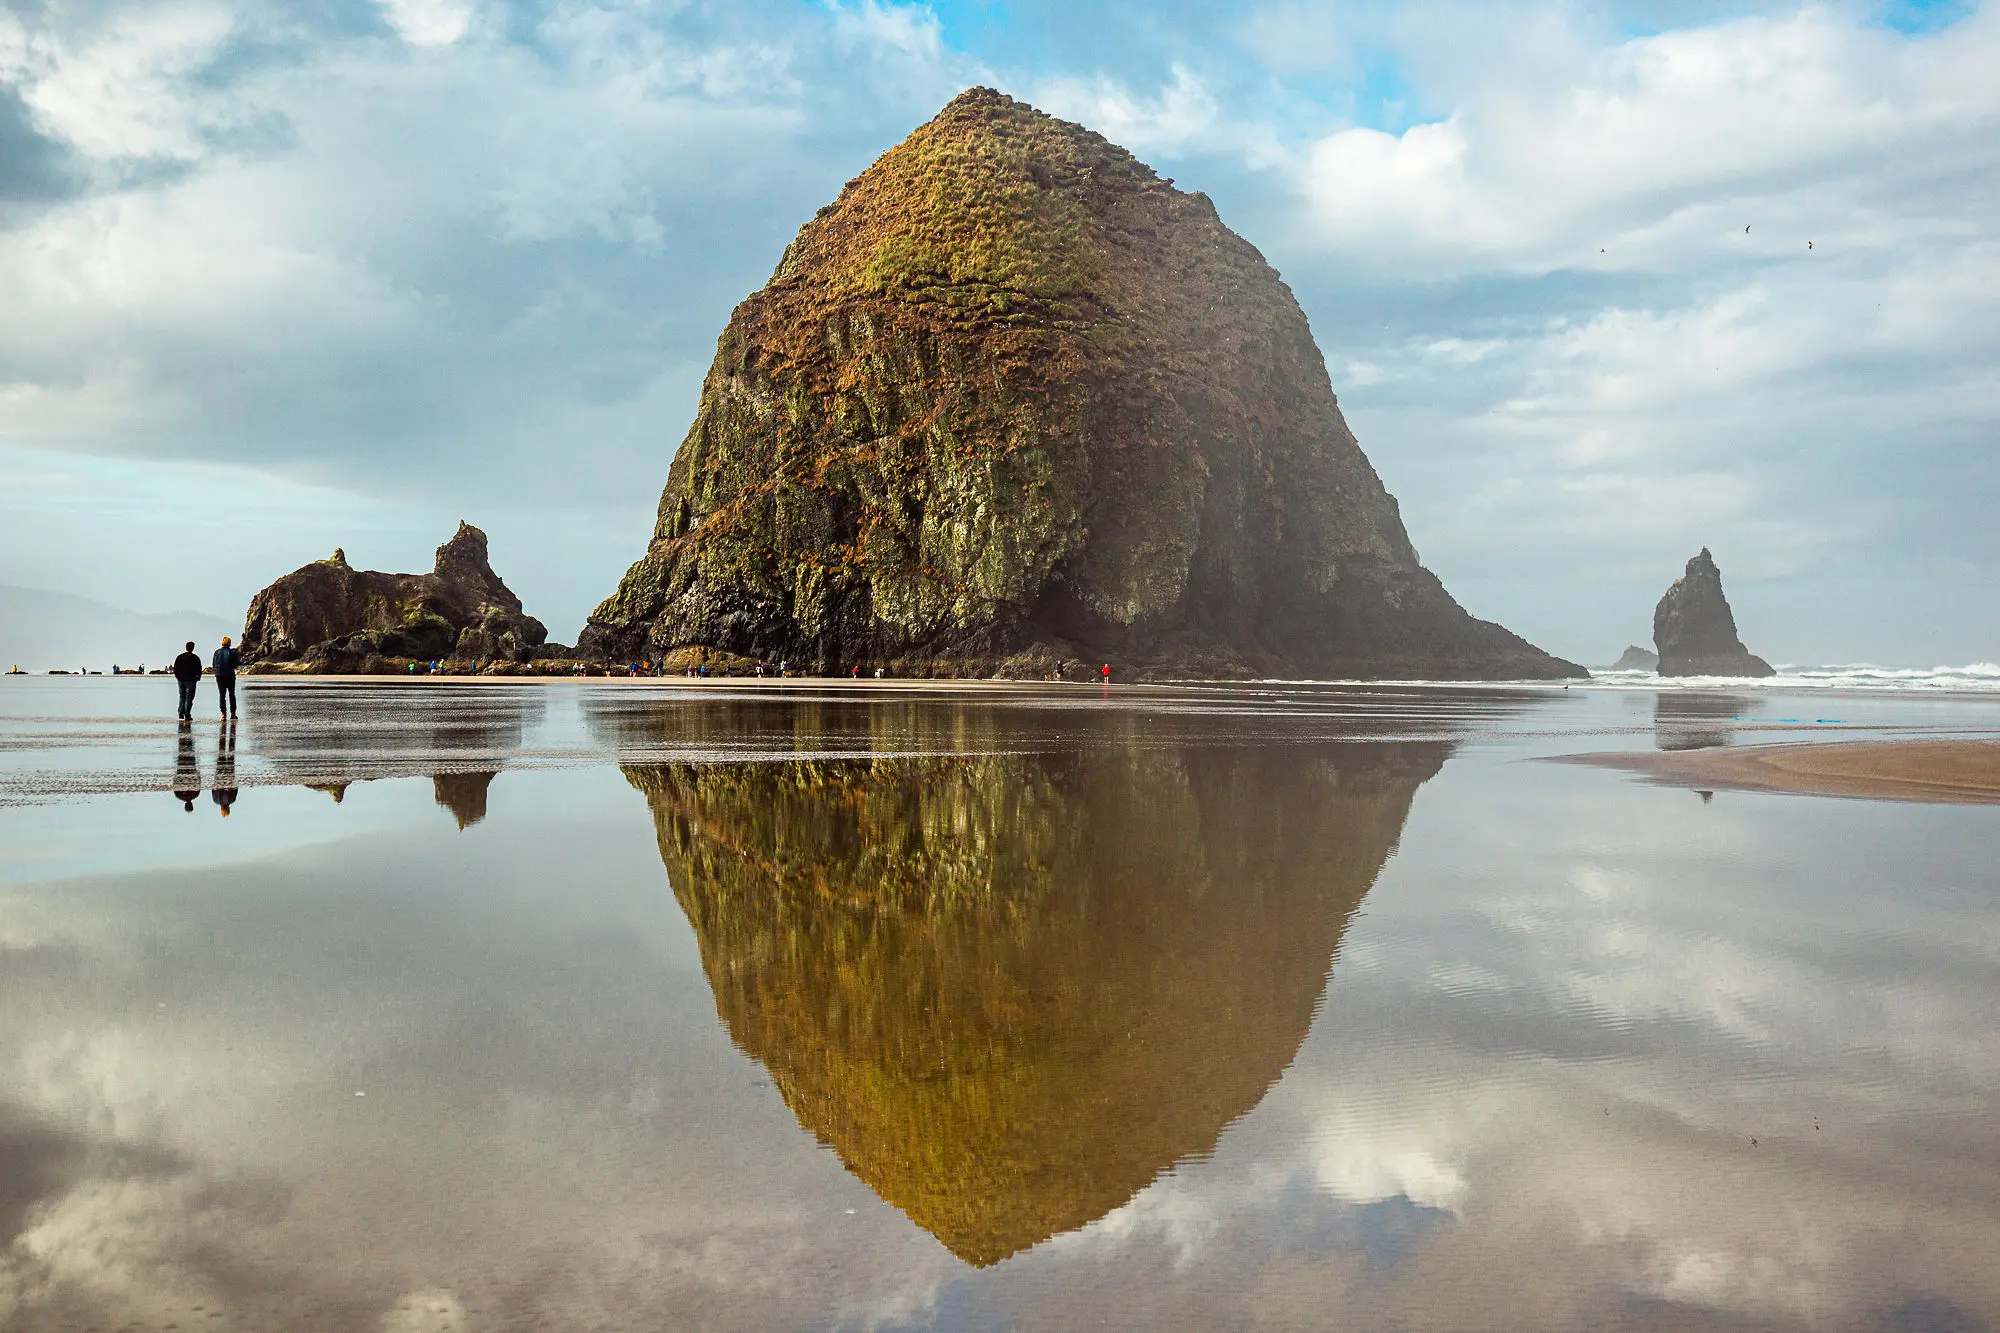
(187, 670)
(223, 793)
(187, 774)
(225, 662)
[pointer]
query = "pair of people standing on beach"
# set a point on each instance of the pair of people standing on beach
(188, 670)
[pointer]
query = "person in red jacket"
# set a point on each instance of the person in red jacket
(1107, 673)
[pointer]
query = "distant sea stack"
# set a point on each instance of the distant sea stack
(1695, 630)
(1635, 658)
(1010, 401)
(330, 616)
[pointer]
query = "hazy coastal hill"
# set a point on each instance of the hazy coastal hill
(40, 630)
(1013, 400)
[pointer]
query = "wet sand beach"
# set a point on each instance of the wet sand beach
(485, 1005)
(1956, 772)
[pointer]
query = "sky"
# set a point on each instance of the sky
(1597, 283)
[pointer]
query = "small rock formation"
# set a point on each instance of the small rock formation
(329, 616)
(1013, 401)
(1636, 658)
(1695, 630)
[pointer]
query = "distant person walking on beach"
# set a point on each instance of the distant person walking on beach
(187, 670)
(225, 662)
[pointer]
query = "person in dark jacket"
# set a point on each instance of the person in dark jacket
(224, 662)
(187, 670)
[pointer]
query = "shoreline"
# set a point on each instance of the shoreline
(1931, 772)
(1748, 691)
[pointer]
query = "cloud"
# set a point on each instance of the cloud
(1662, 147)
(126, 89)
(911, 29)
(428, 22)
(1175, 118)
(1361, 1168)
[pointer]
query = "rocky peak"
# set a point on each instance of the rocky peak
(1012, 400)
(1695, 630)
(462, 562)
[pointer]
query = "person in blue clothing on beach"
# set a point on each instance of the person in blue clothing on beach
(225, 662)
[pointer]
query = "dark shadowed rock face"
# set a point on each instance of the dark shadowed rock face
(1695, 630)
(331, 616)
(1013, 399)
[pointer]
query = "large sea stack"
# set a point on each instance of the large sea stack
(1013, 400)
(330, 616)
(1695, 630)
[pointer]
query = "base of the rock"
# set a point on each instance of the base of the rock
(1730, 664)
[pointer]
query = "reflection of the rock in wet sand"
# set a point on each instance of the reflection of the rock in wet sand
(1009, 990)
(464, 794)
(1692, 720)
(330, 737)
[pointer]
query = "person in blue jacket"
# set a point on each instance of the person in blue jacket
(225, 662)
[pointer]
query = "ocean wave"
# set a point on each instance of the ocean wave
(1978, 678)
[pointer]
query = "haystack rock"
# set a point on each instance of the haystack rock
(1013, 400)
(1695, 630)
(330, 616)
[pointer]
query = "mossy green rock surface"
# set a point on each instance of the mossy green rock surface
(1013, 400)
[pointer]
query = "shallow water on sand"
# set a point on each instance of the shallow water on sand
(637, 1005)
